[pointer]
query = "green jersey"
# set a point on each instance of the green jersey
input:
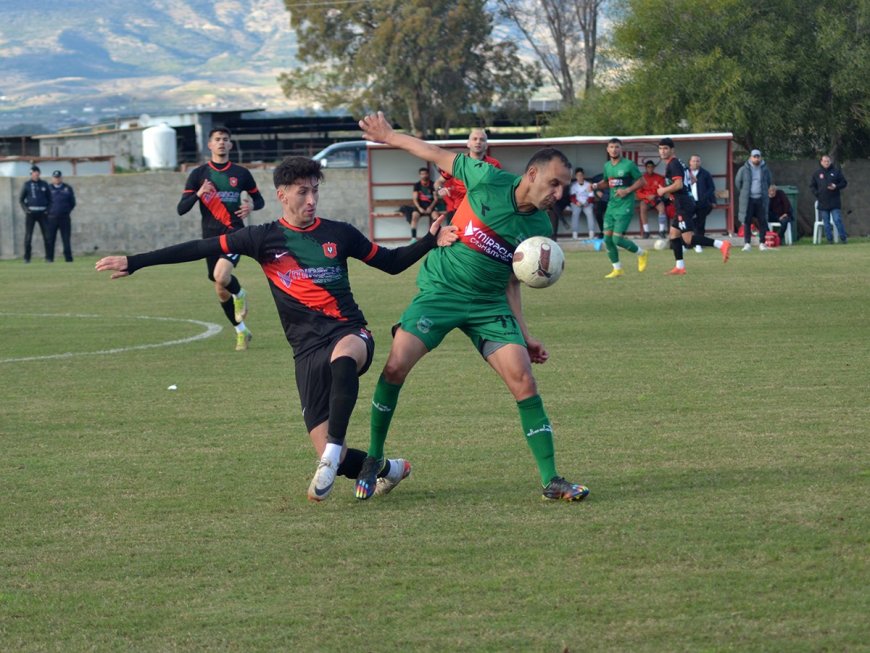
(621, 175)
(489, 226)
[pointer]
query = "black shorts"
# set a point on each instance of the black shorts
(314, 376)
(684, 209)
(211, 261)
(407, 210)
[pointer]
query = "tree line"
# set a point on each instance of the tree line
(787, 76)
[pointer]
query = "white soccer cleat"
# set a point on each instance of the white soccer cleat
(747, 247)
(398, 473)
(324, 479)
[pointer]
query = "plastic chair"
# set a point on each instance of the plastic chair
(819, 228)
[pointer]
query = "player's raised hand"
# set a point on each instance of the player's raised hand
(375, 127)
(447, 234)
(116, 263)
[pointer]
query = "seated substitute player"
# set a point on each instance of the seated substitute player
(425, 201)
(682, 232)
(649, 198)
(622, 178)
(304, 258)
(218, 186)
(470, 286)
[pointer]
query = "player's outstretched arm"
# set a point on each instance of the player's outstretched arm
(116, 263)
(376, 127)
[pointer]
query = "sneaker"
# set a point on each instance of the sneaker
(698, 249)
(558, 488)
(676, 271)
(324, 479)
(367, 481)
(575, 236)
(242, 340)
(726, 251)
(763, 248)
(386, 484)
(641, 261)
(663, 234)
(240, 304)
(615, 273)
(747, 247)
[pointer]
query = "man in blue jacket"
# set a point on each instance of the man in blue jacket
(826, 184)
(63, 201)
(703, 190)
(35, 199)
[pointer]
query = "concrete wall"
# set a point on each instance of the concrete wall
(856, 196)
(129, 213)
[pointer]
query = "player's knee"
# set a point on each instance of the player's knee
(395, 372)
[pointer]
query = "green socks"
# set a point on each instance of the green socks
(383, 405)
(539, 435)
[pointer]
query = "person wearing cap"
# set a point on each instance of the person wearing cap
(752, 186)
(63, 201)
(35, 200)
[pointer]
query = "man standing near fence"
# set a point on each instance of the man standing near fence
(35, 199)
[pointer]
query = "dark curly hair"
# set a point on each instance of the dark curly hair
(294, 168)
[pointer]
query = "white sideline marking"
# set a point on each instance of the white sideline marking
(210, 330)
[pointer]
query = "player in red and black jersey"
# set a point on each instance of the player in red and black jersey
(218, 186)
(305, 258)
(681, 209)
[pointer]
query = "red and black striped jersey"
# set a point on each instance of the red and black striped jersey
(308, 275)
(219, 209)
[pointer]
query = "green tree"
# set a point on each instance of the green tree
(788, 76)
(424, 62)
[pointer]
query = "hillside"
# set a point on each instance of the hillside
(85, 61)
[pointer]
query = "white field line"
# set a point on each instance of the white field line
(210, 330)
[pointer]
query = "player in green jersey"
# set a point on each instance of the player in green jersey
(470, 286)
(623, 178)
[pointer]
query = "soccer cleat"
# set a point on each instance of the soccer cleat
(385, 484)
(642, 260)
(560, 489)
(240, 305)
(763, 248)
(676, 271)
(747, 247)
(726, 251)
(324, 479)
(698, 249)
(242, 340)
(367, 481)
(615, 273)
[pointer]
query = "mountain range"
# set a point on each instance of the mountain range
(84, 62)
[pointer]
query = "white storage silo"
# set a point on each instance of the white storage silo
(159, 147)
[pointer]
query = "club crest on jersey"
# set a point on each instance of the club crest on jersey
(330, 250)
(234, 181)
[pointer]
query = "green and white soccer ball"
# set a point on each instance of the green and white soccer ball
(538, 262)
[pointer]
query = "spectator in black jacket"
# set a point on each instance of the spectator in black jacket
(779, 210)
(35, 199)
(63, 201)
(703, 190)
(826, 184)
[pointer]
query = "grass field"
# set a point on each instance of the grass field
(720, 421)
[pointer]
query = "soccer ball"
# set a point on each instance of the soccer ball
(538, 262)
(660, 244)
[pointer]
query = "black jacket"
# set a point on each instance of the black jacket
(35, 197)
(63, 200)
(706, 188)
(828, 199)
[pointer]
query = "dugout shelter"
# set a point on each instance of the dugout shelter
(393, 172)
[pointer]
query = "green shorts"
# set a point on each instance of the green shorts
(432, 316)
(618, 221)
